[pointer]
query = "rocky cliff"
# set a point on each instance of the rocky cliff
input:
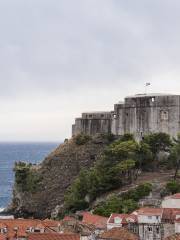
(55, 175)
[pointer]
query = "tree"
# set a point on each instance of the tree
(127, 169)
(144, 157)
(123, 150)
(173, 187)
(158, 142)
(175, 155)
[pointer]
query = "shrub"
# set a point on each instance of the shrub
(26, 178)
(126, 203)
(173, 187)
(82, 139)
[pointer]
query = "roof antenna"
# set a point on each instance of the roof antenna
(146, 87)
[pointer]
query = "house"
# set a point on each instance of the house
(99, 222)
(73, 225)
(173, 237)
(154, 223)
(118, 234)
(172, 201)
(21, 228)
(149, 223)
(53, 236)
(117, 221)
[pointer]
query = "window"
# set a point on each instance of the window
(150, 229)
(157, 218)
(164, 115)
(149, 217)
(102, 115)
(157, 230)
(153, 99)
(117, 220)
(114, 116)
(90, 115)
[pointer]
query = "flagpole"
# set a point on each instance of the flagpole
(146, 89)
(146, 86)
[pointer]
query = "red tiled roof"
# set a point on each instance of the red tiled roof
(2, 225)
(118, 234)
(2, 237)
(175, 196)
(121, 216)
(96, 220)
(174, 237)
(177, 220)
(53, 236)
(133, 217)
(169, 214)
(50, 223)
(68, 218)
(150, 211)
(18, 227)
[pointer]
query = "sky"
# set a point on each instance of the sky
(59, 58)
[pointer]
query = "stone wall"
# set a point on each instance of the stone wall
(139, 115)
(93, 123)
(143, 114)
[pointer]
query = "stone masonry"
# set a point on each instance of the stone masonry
(139, 114)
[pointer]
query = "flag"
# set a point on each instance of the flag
(148, 84)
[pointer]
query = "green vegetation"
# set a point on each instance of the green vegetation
(157, 142)
(174, 158)
(104, 176)
(172, 187)
(26, 178)
(126, 203)
(118, 166)
(82, 139)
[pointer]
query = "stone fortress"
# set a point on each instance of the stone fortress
(139, 114)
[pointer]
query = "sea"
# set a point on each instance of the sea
(13, 152)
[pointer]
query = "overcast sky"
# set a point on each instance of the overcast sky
(59, 58)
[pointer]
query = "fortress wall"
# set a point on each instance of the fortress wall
(139, 115)
(144, 115)
(93, 123)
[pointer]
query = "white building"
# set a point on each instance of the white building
(172, 201)
(117, 221)
(149, 223)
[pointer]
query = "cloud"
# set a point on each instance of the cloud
(59, 58)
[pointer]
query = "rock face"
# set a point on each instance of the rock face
(57, 172)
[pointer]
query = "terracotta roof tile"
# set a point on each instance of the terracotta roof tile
(18, 227)
(96, 220)
(119, 234)
(174, 237)
(51, 223)
(132, 218)
(53, 236)
(150, 211)
(68, 218)
(2, 237)
(175, 196)
(169, 214)
(121, 216)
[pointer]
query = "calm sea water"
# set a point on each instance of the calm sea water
(12, 152)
